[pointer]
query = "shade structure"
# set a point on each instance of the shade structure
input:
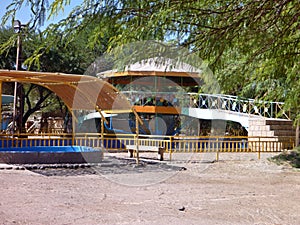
(179, 73)
(76, 91)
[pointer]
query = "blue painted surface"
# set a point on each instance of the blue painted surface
(64, 145)
(10, 143)
(56, 149)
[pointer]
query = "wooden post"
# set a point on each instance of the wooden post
(259, 146)
(137, 139)
(102, 131)
(217, 155)
(1, 104)
(103, 120)
(171, 147)
(137, 121)
(73, 127)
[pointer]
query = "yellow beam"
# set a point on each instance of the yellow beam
(102, 116)
(117, 111)
(157, 109)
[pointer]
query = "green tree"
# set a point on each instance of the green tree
(74, 58)
(7, 58)
(255, 42)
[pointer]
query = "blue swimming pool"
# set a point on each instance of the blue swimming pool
(56, 149)
(50, 155)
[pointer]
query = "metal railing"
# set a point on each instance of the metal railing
(240, 105)
(171, 144)
(211, 101)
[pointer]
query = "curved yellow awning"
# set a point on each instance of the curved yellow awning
(76, 91)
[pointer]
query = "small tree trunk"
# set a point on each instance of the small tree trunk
(297, 134)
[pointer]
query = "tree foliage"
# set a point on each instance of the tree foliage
(57, 58)
(251, 45)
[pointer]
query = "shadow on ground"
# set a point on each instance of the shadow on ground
(111, 165)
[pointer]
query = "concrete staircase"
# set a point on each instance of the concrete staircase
(271, 128)
(274, 134)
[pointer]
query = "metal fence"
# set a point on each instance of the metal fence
(171, 144)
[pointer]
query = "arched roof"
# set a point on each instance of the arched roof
(181, 73)
(76, 91)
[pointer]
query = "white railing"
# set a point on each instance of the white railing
(210, 101)
(239, 105)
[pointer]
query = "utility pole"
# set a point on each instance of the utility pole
(18, 29)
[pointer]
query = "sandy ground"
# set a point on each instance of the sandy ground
(239, 189)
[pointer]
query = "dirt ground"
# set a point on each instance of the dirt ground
(238, 189)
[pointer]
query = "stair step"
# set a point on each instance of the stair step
(279, 122)
(261, 133)
(257, 122)
(282, 127)
(284, 133)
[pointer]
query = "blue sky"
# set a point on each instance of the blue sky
(24, 14)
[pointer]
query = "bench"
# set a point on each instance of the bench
(144, 148)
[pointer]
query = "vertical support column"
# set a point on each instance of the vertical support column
(1, 105)
(102, 130)
(156, 129)
(137, 122)
(217, 154)
(73, 127)
(103, 120)
(15, 108)
(259, 146)
(137, 139)
(17, 27)
(271, 106)
(171, 147)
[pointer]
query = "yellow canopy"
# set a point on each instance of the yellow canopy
(76, 91)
